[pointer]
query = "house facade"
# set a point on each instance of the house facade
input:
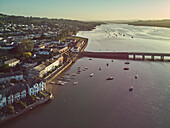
(18, 75)
(43, 68)
(38, 71)
(35, 86)
(45, 51)
(11, 93)
(12, 62)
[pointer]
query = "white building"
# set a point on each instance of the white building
(7, 47)
(12, 62)
(11, 93)
(45, 67)
(18, 75)
(35, 86)
(38, 71)
(45, 51)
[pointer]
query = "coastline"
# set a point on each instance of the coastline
(49, 78)
(30, 107)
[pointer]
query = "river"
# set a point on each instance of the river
(97, 103)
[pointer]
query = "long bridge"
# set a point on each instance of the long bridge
(128, 55)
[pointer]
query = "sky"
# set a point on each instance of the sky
(89, 10)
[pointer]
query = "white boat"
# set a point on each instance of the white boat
(91, 74)
(52, 82)
(136, 76)
(131, 88)
(109, 78)
(76, 82)
(86, 68)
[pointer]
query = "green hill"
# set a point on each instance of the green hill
(155, 23)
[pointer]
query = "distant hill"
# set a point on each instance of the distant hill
(155, 23)
(81, 25)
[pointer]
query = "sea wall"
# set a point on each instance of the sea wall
(3, 120)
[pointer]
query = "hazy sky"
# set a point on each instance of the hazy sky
(89, 9)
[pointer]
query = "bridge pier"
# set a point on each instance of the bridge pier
(143, 57)
(152, 57)
(134, 57)
(162, 58)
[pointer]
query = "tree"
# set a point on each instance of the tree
(27, 54)
(25, 46)
(13, 80)
(5, 68)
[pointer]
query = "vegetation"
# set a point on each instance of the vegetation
(11, 107)
(4, 68)
(43, 94)
(156, 23)
(27, 54)
(23, 104)
(33, 97)
(25, 46)
(13, 80)
(73, 26)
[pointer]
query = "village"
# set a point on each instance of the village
(30, 54)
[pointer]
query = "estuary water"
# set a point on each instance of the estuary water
(95, 102)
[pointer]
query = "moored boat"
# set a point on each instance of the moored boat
(131, 88)
(125, 68)
(75, 83)
(52, 82)
(127, 62)
(91, 74)
(136, 76)
(109, 78)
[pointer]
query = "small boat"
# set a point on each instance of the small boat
(136, 76)
(68, 80)
(100, 68)
(76, 82)
(127, 62)
(90, 59)
(52, 82)
(91, 74)
(131, 88)
(107, 64)
(125, 68)
(67, 73)
(73, 74)
(86, 68)
(112, 60)
(109, 78)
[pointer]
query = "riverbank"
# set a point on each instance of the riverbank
(28, 108)
(57, 72)
(48, 79)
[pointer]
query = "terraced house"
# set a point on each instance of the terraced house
(10, 92)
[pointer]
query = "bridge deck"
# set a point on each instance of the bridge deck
(124, 55)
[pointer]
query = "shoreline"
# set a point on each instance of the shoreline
(30, 107)
(55, 74)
